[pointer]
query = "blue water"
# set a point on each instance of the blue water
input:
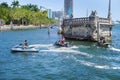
(82, 61)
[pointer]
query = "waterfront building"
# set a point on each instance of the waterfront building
(42, 8)
(118, 21)
(57, 14)
(68, 8)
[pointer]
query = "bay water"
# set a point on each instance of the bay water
(82, 61)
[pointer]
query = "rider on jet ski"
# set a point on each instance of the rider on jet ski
(24, 44)
(63, 41)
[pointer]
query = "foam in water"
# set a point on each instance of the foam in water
(114, 49)
(41, 45)
(66, 50)
(63, 49)
(90, 64)
(117, 58)
(51, 48)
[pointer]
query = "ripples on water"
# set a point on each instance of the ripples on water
(82, 61)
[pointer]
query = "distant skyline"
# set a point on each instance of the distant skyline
(80, 6)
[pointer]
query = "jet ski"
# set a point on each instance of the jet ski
(20, 48)
(58, 43)
(106, 44)
(103, 43)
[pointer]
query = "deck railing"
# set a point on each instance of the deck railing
(104, 20)
(84, 20)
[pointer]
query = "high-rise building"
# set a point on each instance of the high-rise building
(49, 13)
(57, 14)
(68, 8)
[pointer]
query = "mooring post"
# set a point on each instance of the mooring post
(0, 27)
(49, 29)
(11, 25)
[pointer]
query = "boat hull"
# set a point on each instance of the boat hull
(106, 45)
(57, 43)
(21, 49)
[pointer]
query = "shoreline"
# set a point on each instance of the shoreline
(20, 27)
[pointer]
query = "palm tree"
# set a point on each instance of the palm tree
(15, 4)
(33, 8)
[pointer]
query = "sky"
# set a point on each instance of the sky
(81, 7)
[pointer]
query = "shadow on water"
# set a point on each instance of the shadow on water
(25, 54)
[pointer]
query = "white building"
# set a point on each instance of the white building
(57, 14)
(49, 13)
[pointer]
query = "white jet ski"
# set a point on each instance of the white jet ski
(20, 48)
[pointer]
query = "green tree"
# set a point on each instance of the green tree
(4, 4)
(26, 14)
(15, 3)
(4, 12)
(31, 7)
(20, 16)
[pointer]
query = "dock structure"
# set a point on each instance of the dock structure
(90, 28)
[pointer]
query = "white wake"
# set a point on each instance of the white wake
(41, 45)
(91, 64)
(114, 49)
(52, 48)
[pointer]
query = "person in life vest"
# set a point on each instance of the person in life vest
(25, 44)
